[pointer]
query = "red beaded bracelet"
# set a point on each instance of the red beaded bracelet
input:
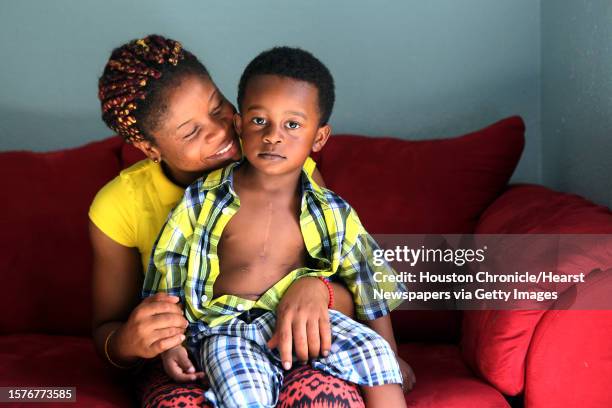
(330, 290)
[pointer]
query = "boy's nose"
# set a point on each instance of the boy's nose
(273, 136)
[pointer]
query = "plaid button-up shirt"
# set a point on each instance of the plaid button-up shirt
(185, 263)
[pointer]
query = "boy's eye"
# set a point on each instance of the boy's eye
(259, 121)
(292, 125)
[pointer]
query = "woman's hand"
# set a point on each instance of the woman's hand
(302, 320)
(407, 374)
(137, 330)
(178, 366)
(154, 326)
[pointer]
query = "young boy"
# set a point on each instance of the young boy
(242, 234)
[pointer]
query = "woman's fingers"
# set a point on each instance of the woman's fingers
(162, 345)
(167, 332)
(165, 320)
(163, 327)
(157, 318)
(163, 307)
(161, 297)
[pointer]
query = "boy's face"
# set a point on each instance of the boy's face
(279, 124)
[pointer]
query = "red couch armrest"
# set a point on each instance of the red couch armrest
(496, 343)
(534, 209)
(569, 363)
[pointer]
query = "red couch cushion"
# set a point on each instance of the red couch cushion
(46, 256)
(580, 377)
(30, 360)
(424, 186)
(495, 343)
(443, 380)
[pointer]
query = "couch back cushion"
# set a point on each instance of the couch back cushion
(45, 265)
(437, 186)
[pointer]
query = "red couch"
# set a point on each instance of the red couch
(457, 185)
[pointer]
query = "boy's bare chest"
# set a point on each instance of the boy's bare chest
(261, 243)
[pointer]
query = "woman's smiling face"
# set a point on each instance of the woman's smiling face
(195, 133)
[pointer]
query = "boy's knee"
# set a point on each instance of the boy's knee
(241, 372)
(250, 389)
(383, 349)
(259, 399)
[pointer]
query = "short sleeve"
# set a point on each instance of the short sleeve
(112, 212)
(167, 269)
(368, 280)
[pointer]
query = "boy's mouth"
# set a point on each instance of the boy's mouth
(271, 156)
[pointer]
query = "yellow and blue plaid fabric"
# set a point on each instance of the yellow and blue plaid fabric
(185, 263)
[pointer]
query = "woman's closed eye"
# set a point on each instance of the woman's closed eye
(218, 109)
(192, 134)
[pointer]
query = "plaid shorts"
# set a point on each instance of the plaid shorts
(244, 372)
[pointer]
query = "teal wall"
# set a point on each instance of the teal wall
(577, 97)
(412, 69)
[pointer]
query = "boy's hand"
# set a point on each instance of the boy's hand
(407, 374)
(178, 365)
(302, 320)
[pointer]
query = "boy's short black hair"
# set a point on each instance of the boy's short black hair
(297, 64)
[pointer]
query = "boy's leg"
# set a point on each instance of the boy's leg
(383, 396)
(302, 386)
(240, 373)
(360, 355)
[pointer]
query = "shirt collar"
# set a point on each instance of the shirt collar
(169, 193)
(218, 177)
(309, 186)
(224, 175)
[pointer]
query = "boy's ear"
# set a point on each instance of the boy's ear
(238, 123)
(149, 149)
(321, 138)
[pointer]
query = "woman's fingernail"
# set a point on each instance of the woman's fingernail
(286, 365)
(182, 337)
(325, 353)
(191, 370)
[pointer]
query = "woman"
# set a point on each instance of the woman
(160, 98)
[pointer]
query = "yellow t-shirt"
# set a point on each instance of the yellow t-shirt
(132, 208)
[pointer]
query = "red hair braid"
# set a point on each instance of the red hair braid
(123, 85)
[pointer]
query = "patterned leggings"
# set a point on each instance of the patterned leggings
(303, 387)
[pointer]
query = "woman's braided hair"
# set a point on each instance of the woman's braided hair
(131, 88)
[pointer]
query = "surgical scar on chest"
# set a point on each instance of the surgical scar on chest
(258, 247)
(266, 233)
